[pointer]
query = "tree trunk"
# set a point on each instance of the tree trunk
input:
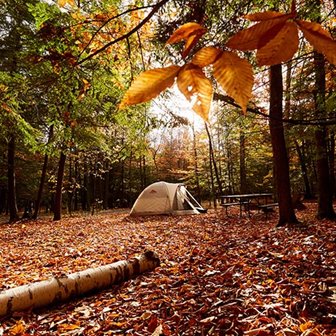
(43, 175)
(196, 170)
(304, 170)
(213, 159)
(59, 185)
(12, 205)
(55, 290)
(332, 162)
(242, 163)
(325, 200)
(280, 158)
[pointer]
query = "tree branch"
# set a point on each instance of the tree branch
(135, 29)
(255, 110)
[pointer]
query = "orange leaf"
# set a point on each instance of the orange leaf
(150, 84)
(206, 56)
(62, 3)
(263, 16)
(193, 83)
(185, 31)
(319, 38)
(258, 35)
(190, 43)
(281, 48)
(235, 75)
(305, 326)
(191, 32)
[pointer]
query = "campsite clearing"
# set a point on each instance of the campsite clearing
(217, 275)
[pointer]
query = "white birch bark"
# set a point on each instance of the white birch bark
(55, 290)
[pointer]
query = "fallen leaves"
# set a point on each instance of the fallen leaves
(245, 278)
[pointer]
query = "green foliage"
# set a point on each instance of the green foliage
(42, 12)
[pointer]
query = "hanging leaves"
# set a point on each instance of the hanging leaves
(235, 75)
(190, 32)
(319, 38)
(276, 37)
(150, 84)
(258, 35)
(281, 48)
(206, 56)
(195, 85)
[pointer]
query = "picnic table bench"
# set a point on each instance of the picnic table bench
(244, 201)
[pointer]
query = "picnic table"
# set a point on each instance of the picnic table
(244, 201)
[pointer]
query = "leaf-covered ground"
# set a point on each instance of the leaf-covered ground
(218, 275)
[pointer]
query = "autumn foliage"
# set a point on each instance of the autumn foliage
(219, 275)
(275, 36)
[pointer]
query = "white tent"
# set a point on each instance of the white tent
(162, 198)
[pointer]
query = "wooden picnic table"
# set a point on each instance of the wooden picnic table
(244, 200)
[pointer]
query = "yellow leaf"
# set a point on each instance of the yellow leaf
(63, 3)
(18, 329)
(206, 56)
(305, 326)
(263, 16)
(185, 31)
(195, 85)
(235, 75)
(281, 48)
(319, 38)
(190, 43)
(150, 84)
(258, 35)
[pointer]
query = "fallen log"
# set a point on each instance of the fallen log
(55, 290)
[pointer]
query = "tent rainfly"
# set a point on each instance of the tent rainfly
(162, 198)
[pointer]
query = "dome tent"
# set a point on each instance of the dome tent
(162, 198)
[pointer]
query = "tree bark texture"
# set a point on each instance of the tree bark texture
(59, 185)
(55, 290)
(12, 205)
(280, 157)
(324, 201)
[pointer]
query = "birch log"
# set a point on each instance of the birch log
(55, 290)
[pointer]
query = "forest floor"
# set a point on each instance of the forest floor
(218, 275)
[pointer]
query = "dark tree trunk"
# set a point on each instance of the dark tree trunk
(304, 170)
(59, 185)
(242, 163)
(280, 157)
(43, 175)
(332, 163)
(12, 205)
(325, 200)
(213, 159)
(196, 170)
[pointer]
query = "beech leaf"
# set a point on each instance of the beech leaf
(319, 38)
(281, 48)
(263, 16)
(150, 84)
(258, 35)
(192, 82)
(185, 31)
(206, 56)
(235, 75)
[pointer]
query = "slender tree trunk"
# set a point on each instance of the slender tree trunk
(325, 200)
(304, 170)
(242, 163)
(280, 157)
(43, 175)
(12, 205)
(332, 162)
(198, 188)
(213, 159)
(59, 185)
